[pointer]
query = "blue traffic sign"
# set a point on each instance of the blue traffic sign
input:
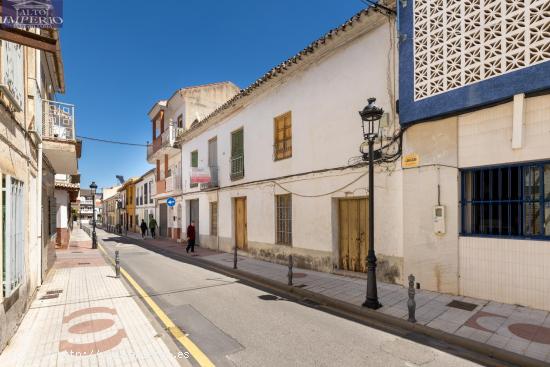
(171, 201)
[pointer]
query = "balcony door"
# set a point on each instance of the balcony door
(213, 161)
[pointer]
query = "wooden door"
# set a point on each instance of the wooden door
(353, 241)
(240, 223)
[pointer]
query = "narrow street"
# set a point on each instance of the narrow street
(234, 324)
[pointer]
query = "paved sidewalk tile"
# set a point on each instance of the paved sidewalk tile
(84, 316)
(514, 328)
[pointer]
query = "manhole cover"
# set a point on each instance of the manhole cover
(462, 305)
(268, 297)
(50, 296)
(299, 275)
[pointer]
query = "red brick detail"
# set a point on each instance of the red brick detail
(86, 311)
(91, 326)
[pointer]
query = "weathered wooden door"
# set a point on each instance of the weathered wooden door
(240, 223)
(163, 220)
(353, 242)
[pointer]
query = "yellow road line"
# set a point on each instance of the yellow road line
(191, 347)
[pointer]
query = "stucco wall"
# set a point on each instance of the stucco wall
(324, 99)
(506, 270)
(430, 257)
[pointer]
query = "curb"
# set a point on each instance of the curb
(487, 354)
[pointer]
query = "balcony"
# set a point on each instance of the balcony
(160, 187)
(237, 167)
(173, 183)
(163, 144)
(213, 179)
(59, 138)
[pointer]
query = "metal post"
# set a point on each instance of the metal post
(411, 303)
(290, 269)
(94, 237)
(235, 257)
(372, 291)
(117, 264)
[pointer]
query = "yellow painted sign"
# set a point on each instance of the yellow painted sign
(410, 160)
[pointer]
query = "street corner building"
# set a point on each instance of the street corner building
(475, 106)
(462, 159)
(38, 166)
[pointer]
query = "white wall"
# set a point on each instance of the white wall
(506, 270)
(324, 99)
(62, 201)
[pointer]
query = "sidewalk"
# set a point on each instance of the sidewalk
(513, 328)
(84, 316)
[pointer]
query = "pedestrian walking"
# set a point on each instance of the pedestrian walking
(153, 227)
(190, 237)
(143, 227)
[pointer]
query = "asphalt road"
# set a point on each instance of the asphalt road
(238, 325)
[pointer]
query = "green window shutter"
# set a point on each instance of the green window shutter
(195, 159)
(237, 143)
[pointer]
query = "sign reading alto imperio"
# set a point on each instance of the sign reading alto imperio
(32, 13)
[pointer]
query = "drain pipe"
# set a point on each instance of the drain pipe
(40, 211)
(217, 219)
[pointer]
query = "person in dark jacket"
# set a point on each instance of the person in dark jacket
(190, 237)
(152, 226)
(143, 227)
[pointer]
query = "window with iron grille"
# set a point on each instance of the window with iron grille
(151, 192)
(13, 214)
(194, 164)
(284, 219)
(237, 154)
(511, 201)
(214, 218)
(282, 145)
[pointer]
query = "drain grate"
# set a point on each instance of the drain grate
(301, 286)
(76, 252)
(310, 303)
(50, 296)
(83, 263)
(462, 305)
(56, 291)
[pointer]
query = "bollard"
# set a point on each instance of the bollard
(411, 304)
(117, 264)
(289, 269)
(235, 257)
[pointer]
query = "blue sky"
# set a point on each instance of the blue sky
(121, 56)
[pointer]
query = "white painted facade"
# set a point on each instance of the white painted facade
(145, 204)
(170, 118)
(503, 269)
(324, 94)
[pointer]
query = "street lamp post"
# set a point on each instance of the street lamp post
(370, 117)
(93, 187)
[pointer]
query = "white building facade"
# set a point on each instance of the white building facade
(169, 119)
(286, 172)
(145, 205)
(478, 125)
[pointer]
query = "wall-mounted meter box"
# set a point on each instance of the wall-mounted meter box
(439, 219)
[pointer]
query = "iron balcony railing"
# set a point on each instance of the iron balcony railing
(213, 179)
(237, 166)
(173, 183)
(58, 120)
(166, 139)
